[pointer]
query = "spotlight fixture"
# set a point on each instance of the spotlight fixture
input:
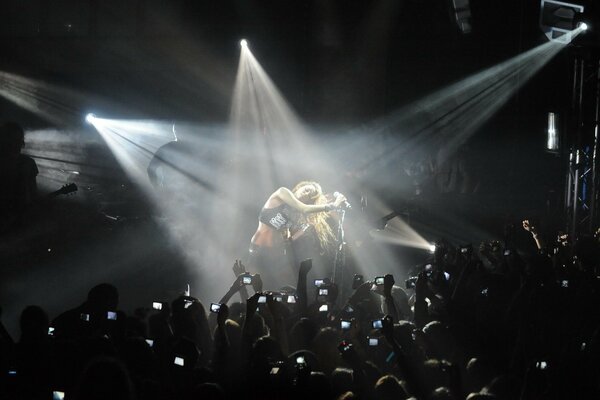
(244, 43)
(90, 118)
(552, 143)
(583, 26)
(432, 248)
(558, 19)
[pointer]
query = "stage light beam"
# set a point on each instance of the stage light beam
(244, 43)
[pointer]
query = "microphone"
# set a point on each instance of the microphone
(345, 204)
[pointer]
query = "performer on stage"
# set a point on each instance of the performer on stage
(291, 212)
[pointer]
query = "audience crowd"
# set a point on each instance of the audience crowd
(484, 323)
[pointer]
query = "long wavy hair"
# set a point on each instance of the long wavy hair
(318, 220)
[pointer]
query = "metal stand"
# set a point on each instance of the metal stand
(339, 261)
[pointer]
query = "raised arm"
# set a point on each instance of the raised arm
(531, 229)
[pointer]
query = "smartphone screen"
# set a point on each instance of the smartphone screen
(58, 395)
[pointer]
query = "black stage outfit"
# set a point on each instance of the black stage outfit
(277, 265)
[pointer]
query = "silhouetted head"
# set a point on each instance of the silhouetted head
(103, 297)
(105, 378)
(12, 138)
(34, 324)
(389, 387)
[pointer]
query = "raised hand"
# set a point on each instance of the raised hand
(528, 227)
(305, 266)
(257, 283)
(421, 288)
(251, 304)
(238, 268)
(387, 327)
(222, 315)
(388, 283)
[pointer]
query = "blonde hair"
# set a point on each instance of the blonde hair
(318, 220)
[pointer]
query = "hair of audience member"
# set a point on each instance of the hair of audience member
(388, 387)
(104, 378)
(302, 334)
(189, 320)
(342, 381)
(139, 358)
(237, 311)
(257, 327)
(503, 387)
(403, 331)
(325, 346)
(441, 393)
(266, 349)
(347, 396)
(439, 340)
(478, 374)
(208, 391)
(437, 373)
(318, 386)
(103, 297)
(34, 324)
(481, 396)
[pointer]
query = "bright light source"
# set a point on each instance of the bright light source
(243, 43)
(552, 142)
(90, 118)
(432, 248)
(583, 26)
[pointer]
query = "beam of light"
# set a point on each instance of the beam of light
(448, 117)
(282, 152)
(400, 233)
(133, 143)
(191, 198)
(57, 104)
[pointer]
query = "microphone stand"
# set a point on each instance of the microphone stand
(339, 260)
